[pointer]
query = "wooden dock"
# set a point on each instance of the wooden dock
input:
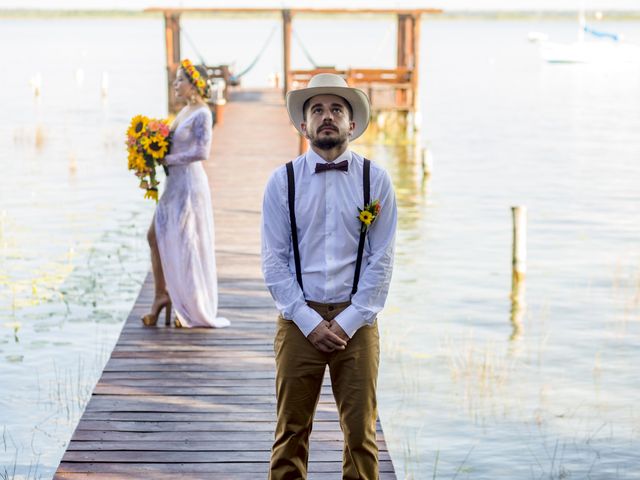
(200, 403)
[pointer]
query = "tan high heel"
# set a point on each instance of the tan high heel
(177, 323)
(150, 319)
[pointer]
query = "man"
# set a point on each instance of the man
(327, 262)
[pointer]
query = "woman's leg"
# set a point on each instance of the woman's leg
(161, 296)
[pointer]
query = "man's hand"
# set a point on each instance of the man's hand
(337, 329)
(326, 340)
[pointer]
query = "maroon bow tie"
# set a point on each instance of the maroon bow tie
(342, 166)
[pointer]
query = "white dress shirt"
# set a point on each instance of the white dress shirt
(326, 207)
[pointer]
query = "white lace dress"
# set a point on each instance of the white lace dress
(184, 226)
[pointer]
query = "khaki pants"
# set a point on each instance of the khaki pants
(299, 372)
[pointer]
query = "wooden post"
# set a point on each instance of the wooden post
(172, 41)
(219, 101)
(427, 162)
(519, 269)
(415, 61)
(286, 49)
(519, 253)
(402, 53)
(408, 57)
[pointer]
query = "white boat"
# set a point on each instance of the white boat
(600, 47)
(536, 37)
(589, 52)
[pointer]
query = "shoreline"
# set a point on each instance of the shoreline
(488, 15)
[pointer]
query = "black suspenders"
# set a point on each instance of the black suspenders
(294, 226)
(366, 187)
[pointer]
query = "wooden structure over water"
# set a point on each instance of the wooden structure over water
(393, 89)
(200, 403)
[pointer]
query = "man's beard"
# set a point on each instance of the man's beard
(328, 143)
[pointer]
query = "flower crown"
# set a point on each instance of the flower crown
(195, 78)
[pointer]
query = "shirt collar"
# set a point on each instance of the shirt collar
(312, 158)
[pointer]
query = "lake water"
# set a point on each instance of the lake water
(465, 392)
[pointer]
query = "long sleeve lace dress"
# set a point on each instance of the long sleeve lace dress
(184, 226)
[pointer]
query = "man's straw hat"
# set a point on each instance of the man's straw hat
(330, 84)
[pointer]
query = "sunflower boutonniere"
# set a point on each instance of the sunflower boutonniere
(368, 214)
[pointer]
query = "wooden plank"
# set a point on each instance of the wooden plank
(199, 417)
(177, 436)
(201, 446)
(161, 381)
(148, 426)
(200, 403)
(258, 469)
(214, 376)
(192, 456)
(138, 390)
(192, 476)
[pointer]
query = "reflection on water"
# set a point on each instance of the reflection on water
(470, 386)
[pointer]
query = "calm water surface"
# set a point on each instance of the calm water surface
(465, 392)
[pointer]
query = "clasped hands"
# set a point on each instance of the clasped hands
(328, 337)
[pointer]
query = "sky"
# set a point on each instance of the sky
(535, 5)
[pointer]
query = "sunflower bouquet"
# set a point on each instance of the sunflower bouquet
(148, 141)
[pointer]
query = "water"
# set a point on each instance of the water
(464, 391)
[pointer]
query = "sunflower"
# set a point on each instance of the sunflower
(141, 163)
(131, 159)
(138, 126)
(366, 217)
(155, 145)
(152, 194)
(136, 161)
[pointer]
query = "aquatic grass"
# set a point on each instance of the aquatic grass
(625, 286)
(461, 466)
(482, 370)
(12, 472)
(71, 387)
(107, 271)
(410, 456)
(435, 464)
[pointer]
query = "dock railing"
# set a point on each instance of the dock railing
(388, 89)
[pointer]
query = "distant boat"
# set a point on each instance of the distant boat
(589, 52)
(600, 47)
(536, 37)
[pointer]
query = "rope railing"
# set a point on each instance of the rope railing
(258, 56)
(304, 49)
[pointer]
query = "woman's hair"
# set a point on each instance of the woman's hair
(197, 76)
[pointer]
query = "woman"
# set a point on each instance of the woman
(181, 234)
